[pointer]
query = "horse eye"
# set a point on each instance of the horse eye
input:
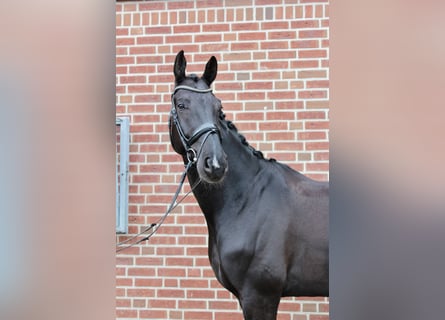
(181, 106)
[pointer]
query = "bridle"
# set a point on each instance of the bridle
(205, 129)
(192, 157)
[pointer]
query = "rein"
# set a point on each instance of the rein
(152, 228)
(192, 157)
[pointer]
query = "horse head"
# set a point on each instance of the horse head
(194, 130)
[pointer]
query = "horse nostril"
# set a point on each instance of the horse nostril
(213, 169)
(212, 165)
(207, 163)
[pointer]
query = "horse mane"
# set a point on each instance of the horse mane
(194, 77)
(243, 140)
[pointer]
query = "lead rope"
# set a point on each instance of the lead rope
(155, 226)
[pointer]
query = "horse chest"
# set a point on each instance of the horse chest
(227, 263)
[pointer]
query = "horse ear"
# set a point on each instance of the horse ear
(210, 71)
(179, 67)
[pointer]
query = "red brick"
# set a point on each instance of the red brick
(171, 272)
(321, 156)
(234, 3)
(312, 74)
(274, 64)
(140, 292)
(192, 240)
(142, 69)
(217, 27)
(251, 36)
(321, 166)
(170, 251)
(162, 304)
(323, 307)
(197, 315)
(289, 145)
(251, 95)
(148, 282)
(196, 230)
(245, 26)
(270, 45)
(124, 60)
(303, 54)
(282, 55)
(278, 95)
(178, 39)
(267, 2)
(200, 294)
(126, 313)
(265, 75)
(153, 314)
(140, 88)
(317, 145)
(317, 104)
(173, 261)
(317, 84)
(225, 305)
(308, 64)
(313, 94)
(275, 136)
(280, 115)
(173, 5)
(289, 105)
(149, 59)
(208, 38)
(282, 35)
(318, 317)
(311, 115)
(250, 116)
(243, 66)
(149, 6)
(123, 303)
(192, 304)
(152, 261)
(270, 126)
(316, 33)
(124, 41)
(141, 271)
(132, 79)
(275, 25)
(236, 56)
(235, 315)
(244, 46)
(209, 3)
(229, 86)
(311, 135)
(170, 283)
(170, 293)
(290, 306)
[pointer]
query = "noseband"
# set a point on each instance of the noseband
(205, 129)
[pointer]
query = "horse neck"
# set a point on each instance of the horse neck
(243, 164)
(243, 167)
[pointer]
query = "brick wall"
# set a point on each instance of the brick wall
(273, 83)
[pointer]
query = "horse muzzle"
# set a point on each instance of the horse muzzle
(212, 165)
(214, 169)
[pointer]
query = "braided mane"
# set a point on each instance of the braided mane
(231, 126)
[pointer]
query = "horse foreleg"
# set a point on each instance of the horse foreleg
(258, 306)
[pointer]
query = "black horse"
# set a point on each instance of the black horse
(267, 224)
